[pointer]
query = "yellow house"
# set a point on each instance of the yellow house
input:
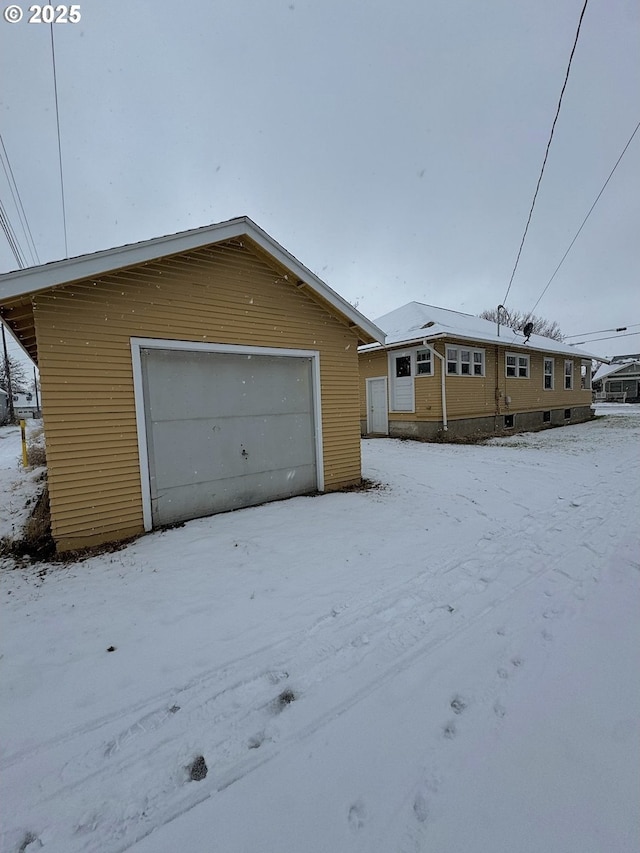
(444, 371)
(191, 374)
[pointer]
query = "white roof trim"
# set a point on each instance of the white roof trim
(46, 276)
(483, 342)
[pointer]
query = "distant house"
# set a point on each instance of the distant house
(186, 375)
(442, 370)
(26, 406)
(618, 381)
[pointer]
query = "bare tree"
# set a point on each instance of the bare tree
(19, 380)
(518, 319)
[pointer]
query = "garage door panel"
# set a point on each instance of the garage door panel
(207, 449)
(224, 495)
(226, 430)
(184, 384)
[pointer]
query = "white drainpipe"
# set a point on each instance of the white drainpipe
(443, 391)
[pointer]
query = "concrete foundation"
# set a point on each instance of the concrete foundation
(503, 424)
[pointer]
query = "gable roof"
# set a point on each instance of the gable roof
(23, 283)
(605, 370)
(416, 322)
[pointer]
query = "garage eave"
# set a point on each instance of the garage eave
(57, 273)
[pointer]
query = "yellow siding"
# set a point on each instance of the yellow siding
(529, 395)
(222, 294)
(372, 365)
(479, 396)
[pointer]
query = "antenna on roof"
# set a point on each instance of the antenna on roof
(528, 329)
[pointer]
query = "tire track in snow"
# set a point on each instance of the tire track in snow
(387, 631)
(172, 798)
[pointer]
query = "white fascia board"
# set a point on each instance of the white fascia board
(316, 284)
(34, 279)
(409, 342)
(46, 276)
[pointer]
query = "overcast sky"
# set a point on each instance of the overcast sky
(392, 147)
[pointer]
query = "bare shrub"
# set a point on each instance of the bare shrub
(35, 541)
(36, 450)
(36, 455)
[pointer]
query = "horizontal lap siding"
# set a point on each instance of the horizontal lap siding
(371, 366)
(224, 294)
(475, 396)
(530, 395)
(471, 396)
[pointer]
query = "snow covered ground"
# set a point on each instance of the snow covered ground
(448, 662)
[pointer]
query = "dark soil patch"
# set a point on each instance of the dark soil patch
(284, 699)
(198, 769)
(363, 486)
(36, 545)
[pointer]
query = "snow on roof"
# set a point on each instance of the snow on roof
(605, 370)
(415, 322)
(631, 356)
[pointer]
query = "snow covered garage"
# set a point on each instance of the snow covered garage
(187, 375)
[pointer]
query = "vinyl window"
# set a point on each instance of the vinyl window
(548, 374)
(465, 362)
(517, 366)
(424, 363)
(568, 375)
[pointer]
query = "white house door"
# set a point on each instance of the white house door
(377, 415)
(401, 374)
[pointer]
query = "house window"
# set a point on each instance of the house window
(465, 362)
(548, 374)
(424, 365)
(517, 366)
(508, 421)
(546, 417)
(403, 365)
(614, 387)
(568, 375)
(567, 414)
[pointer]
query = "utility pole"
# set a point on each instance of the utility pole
(7, 370)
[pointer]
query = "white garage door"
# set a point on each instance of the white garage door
(226, 430)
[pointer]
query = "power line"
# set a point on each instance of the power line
(604, 186)
(546, 154)
(600, 331)
(609, 338)
(17, 200)
(10, 234)
(55, 90)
